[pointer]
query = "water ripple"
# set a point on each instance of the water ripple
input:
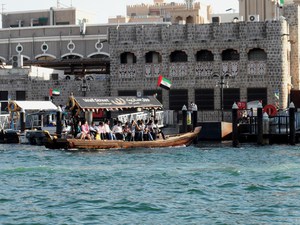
(194, 185)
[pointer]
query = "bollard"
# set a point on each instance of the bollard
(266, 126)
(235, 132)
(195, 119)
(292, 137)
(184, 119)
(59, 122)
(22, 120)
(259, 124)
(235, 141)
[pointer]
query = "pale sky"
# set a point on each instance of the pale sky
(103, 9)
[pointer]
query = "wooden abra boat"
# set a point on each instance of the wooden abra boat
(184, 139)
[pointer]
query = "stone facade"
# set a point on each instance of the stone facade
(271, 73)
(260, 56)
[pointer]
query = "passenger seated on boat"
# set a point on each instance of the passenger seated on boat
(78, 133)
(139, 130)
(157, 130)
(93, 130)
(101, 130)
(132, 127)
(127, 132)
(108, 133)
(85, 129)
(149, 131)
(117, 130)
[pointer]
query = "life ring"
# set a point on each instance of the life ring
(71, 103)
(12, 106)
(270, 110)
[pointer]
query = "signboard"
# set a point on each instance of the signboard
(121, 102)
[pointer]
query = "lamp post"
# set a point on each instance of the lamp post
(221, 82)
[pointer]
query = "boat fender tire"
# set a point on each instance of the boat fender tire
(12, 107)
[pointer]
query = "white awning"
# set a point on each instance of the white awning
(36, 105)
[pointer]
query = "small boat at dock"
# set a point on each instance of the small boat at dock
(88, 105)
(184, 139)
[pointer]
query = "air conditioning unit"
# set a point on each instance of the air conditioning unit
(17, 61)
(253, 18)
(70, 77)
(216, 19)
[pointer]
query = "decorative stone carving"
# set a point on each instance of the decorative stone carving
(127, 71)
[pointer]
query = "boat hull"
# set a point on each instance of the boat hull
(172, 141)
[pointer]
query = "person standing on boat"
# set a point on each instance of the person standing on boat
(85, 128)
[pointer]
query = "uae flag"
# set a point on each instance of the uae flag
(54, 92)
(164, 82)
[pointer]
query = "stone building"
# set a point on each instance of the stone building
(244, 60)
(47, 17)
(251, 57)
(160, 11)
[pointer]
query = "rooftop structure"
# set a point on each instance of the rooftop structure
(160, 11)
(47, 17)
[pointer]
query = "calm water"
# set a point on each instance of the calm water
(194, 185)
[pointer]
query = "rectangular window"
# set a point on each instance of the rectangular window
(231, 95)
(21, 95)
(178, 98)
(254, 94)
(127, 93)
(204, 99)
(152, 92)
(4, 100)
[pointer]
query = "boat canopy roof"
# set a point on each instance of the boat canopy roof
(116, 103)
(32, 105)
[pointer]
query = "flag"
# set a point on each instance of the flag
(164, 82)
(54, 92)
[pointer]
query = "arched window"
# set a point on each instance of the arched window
(204, 55)
(189, 19)
(45, 58)
(257, 54)
(127, 58)
(152, 57)
(178, 56)
(71, 57)
(230, 55)
(99, 56)
(178, 18)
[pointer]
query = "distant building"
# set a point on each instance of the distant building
(47, 17)
(226, 17)
(160, 11)
(259, 10)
